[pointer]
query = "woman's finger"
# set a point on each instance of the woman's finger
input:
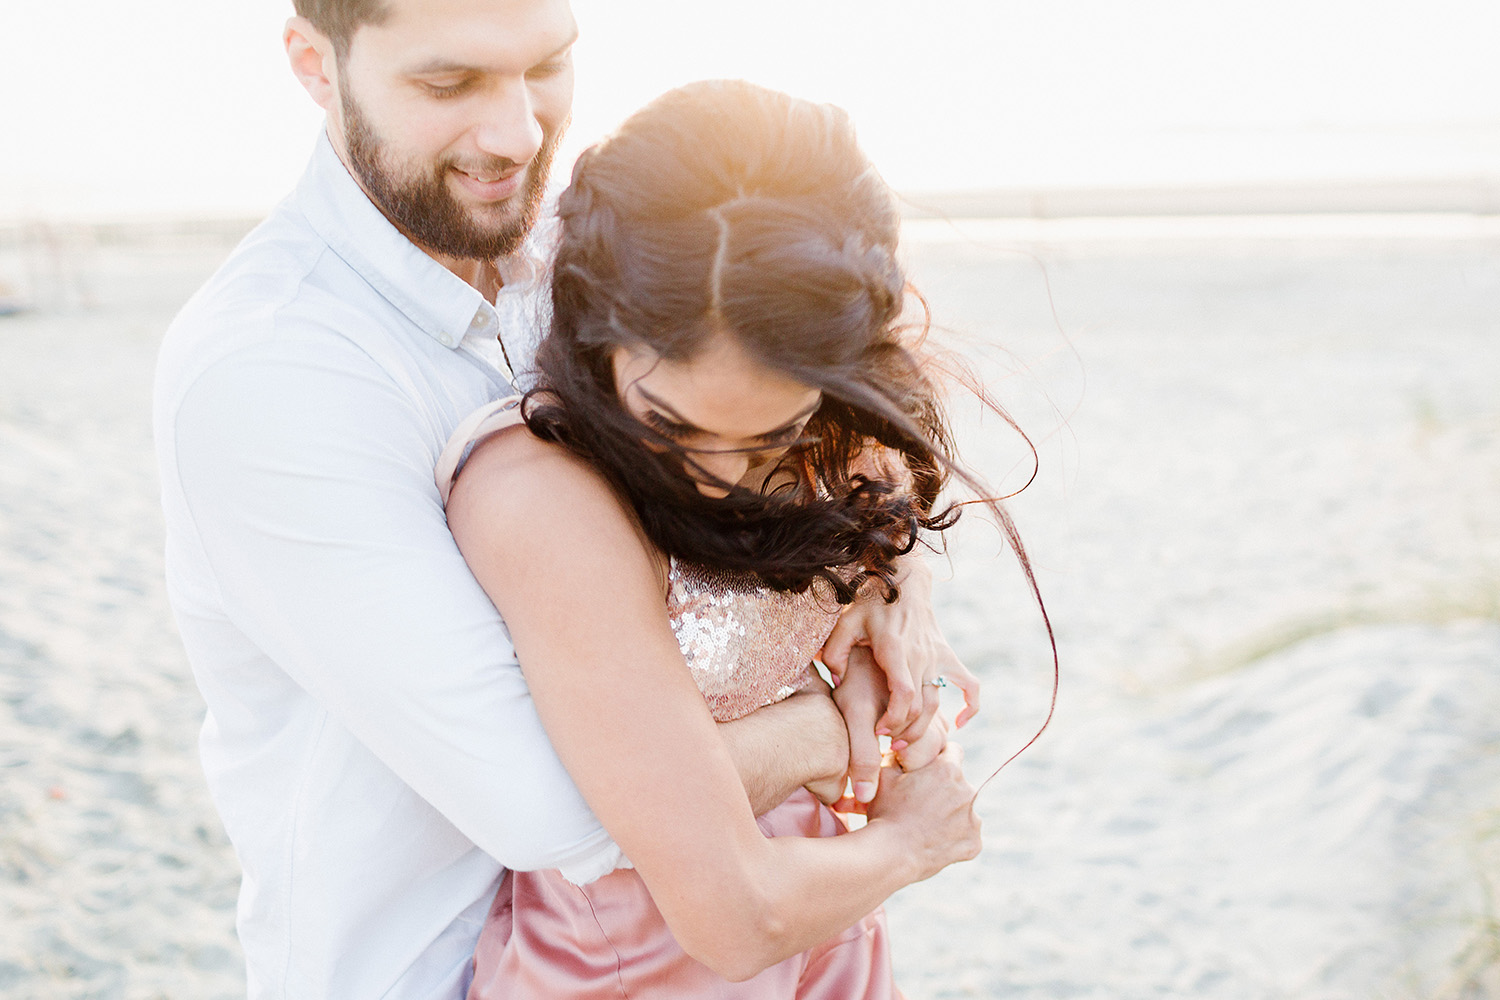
(902, 706)
(960, 676)
(927, 705)
(847, 633)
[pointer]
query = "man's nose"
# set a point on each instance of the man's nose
(510, 127)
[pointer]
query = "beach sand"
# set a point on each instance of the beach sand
(1267, 527)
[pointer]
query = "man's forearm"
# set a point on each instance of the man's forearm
(782, 747)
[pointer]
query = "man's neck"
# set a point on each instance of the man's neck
(483, 275)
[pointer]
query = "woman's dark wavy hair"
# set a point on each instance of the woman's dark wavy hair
(726, 209)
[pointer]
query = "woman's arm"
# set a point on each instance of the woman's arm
(583, 597)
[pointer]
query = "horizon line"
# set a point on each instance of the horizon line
(1473, 195)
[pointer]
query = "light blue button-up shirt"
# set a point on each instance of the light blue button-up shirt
(369, 740)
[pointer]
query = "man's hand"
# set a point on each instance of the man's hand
(908, 648)
(925, 748)
(799, 741)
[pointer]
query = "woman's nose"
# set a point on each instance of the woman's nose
(728, 466)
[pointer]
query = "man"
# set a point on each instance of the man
(369, 740)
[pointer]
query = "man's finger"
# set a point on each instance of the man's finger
(848, 806)
(860, 698)
(864, 763)
(925, 748)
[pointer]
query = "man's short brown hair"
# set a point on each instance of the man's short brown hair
(340, 19)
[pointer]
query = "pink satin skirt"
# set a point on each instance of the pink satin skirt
(547, 939)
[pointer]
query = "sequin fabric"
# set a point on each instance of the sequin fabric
(746, 644)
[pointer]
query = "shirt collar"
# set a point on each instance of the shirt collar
(439, 302)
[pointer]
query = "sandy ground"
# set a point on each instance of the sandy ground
(1267, 526)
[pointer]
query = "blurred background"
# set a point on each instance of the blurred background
(182, 108)
(1234, 268)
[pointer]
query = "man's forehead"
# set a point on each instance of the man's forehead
(431, 35)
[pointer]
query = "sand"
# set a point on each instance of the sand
(1267, 526)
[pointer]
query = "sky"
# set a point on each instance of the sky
(186, 107)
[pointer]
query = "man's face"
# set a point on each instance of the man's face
(449, 113)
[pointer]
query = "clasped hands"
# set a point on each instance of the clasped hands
(884, 659)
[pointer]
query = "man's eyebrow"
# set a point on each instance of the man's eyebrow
(688, 425)
(443, 64)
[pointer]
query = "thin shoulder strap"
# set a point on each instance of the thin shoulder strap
(489, 418)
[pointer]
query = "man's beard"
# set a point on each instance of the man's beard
(426, 211)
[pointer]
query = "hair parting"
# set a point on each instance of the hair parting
(716, 272)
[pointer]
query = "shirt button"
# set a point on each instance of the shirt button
(445, 340)
(478, 320)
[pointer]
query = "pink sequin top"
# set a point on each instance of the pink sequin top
(746, 644)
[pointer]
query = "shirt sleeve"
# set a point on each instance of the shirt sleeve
(307, 474)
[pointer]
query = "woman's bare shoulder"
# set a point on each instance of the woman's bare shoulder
(516, 486)
(519, 471)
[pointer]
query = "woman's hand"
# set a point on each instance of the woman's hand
(910, 651)
(933, 809)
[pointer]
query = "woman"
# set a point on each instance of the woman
(728, 408)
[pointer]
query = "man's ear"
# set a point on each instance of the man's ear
(313, 61)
